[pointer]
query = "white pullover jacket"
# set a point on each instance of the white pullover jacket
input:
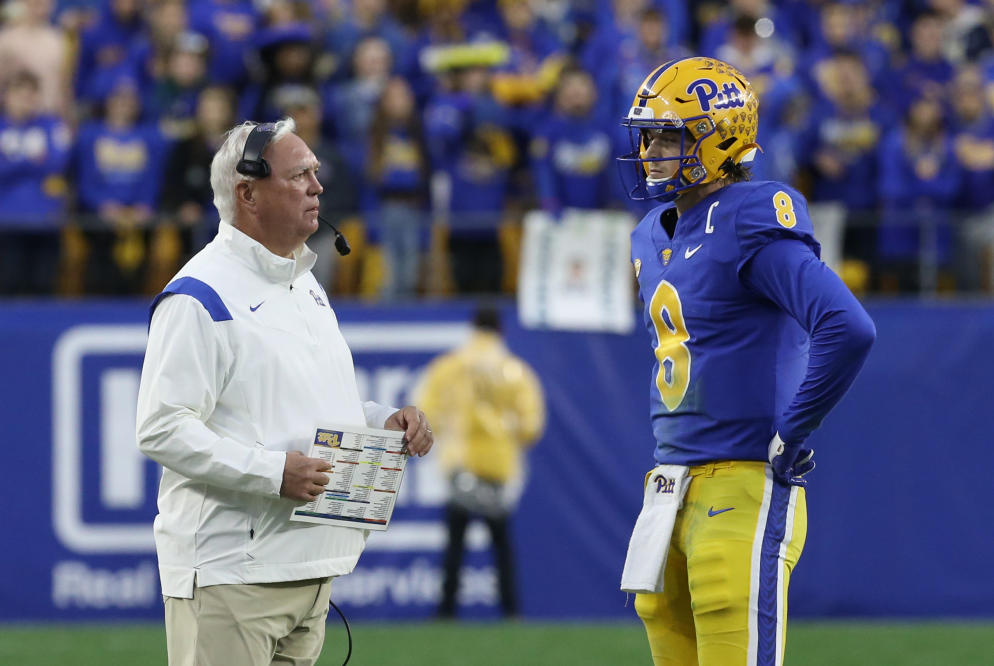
(245, 361)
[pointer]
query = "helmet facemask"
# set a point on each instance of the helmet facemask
(635, 166)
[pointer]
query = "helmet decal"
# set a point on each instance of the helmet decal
(706, 90)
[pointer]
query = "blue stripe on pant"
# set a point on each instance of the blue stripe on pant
(768, 611)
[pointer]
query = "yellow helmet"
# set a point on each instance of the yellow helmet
(716, 109)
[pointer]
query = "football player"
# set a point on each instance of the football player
(755, 340)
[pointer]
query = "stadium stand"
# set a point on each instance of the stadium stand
(448, 120)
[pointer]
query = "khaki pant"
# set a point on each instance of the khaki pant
(248, 625)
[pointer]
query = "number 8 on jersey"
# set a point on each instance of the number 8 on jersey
(673, 377)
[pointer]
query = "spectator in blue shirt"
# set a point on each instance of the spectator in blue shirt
(926, 71)
(367, 18)
(973, 136)
(839, 28)
(349, 105)
(118, 172)
(572, 151)
(106, 49)
(847, 124)
(34, 153)
(172, 95)
(973, 143)
(919, 181)
(472, 152)
(620, 26)
(167, 20)
(631, 59)
(230, 27)
(397, 168)
(783, 132)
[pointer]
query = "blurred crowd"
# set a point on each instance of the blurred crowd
(439, 123)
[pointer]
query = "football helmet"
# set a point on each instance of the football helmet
(715, 110)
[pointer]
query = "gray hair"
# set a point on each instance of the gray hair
(224, 177)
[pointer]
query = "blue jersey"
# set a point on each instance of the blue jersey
(122, 166)
(729, 361)
(571, 160)
(34, 155)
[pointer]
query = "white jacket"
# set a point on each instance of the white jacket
(244, 361)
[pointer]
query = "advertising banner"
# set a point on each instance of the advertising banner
(892, 506)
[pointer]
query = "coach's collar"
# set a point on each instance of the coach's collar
(256, 256)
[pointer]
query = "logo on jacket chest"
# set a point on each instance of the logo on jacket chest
(317, 298)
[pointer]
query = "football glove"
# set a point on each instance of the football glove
(790, 462)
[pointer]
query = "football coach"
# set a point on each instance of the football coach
(245, 360)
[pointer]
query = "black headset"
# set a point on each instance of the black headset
(253, 164)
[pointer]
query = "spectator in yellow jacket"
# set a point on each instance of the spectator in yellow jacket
(487, 408)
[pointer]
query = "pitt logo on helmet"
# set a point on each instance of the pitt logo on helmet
(706, 90)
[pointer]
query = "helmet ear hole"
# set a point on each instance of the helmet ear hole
(727, 143)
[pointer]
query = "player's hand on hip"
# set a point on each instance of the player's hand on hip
(790, 462)
(303, 477)
(417, 432)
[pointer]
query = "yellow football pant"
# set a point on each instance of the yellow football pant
(735, 541)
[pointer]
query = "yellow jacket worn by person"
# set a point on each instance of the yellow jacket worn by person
(486, 407)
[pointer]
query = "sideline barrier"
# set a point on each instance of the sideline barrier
(897, 505)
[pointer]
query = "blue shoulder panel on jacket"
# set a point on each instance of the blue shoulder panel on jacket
(201, 291)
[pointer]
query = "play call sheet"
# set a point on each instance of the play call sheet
(367, 467)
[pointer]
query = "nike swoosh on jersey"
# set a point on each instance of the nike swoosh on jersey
(688, 253)
(712, 512)
(253, 308)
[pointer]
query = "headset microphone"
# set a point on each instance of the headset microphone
(341, 244)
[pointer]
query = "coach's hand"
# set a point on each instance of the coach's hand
(417, 432)
(302, 477)
(790, 462)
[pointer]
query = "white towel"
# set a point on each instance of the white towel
(650, 543)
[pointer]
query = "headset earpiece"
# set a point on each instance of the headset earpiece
(252, 163)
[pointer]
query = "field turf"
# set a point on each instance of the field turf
(519, 644)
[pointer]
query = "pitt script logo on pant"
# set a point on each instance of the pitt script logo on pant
(664, 485)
